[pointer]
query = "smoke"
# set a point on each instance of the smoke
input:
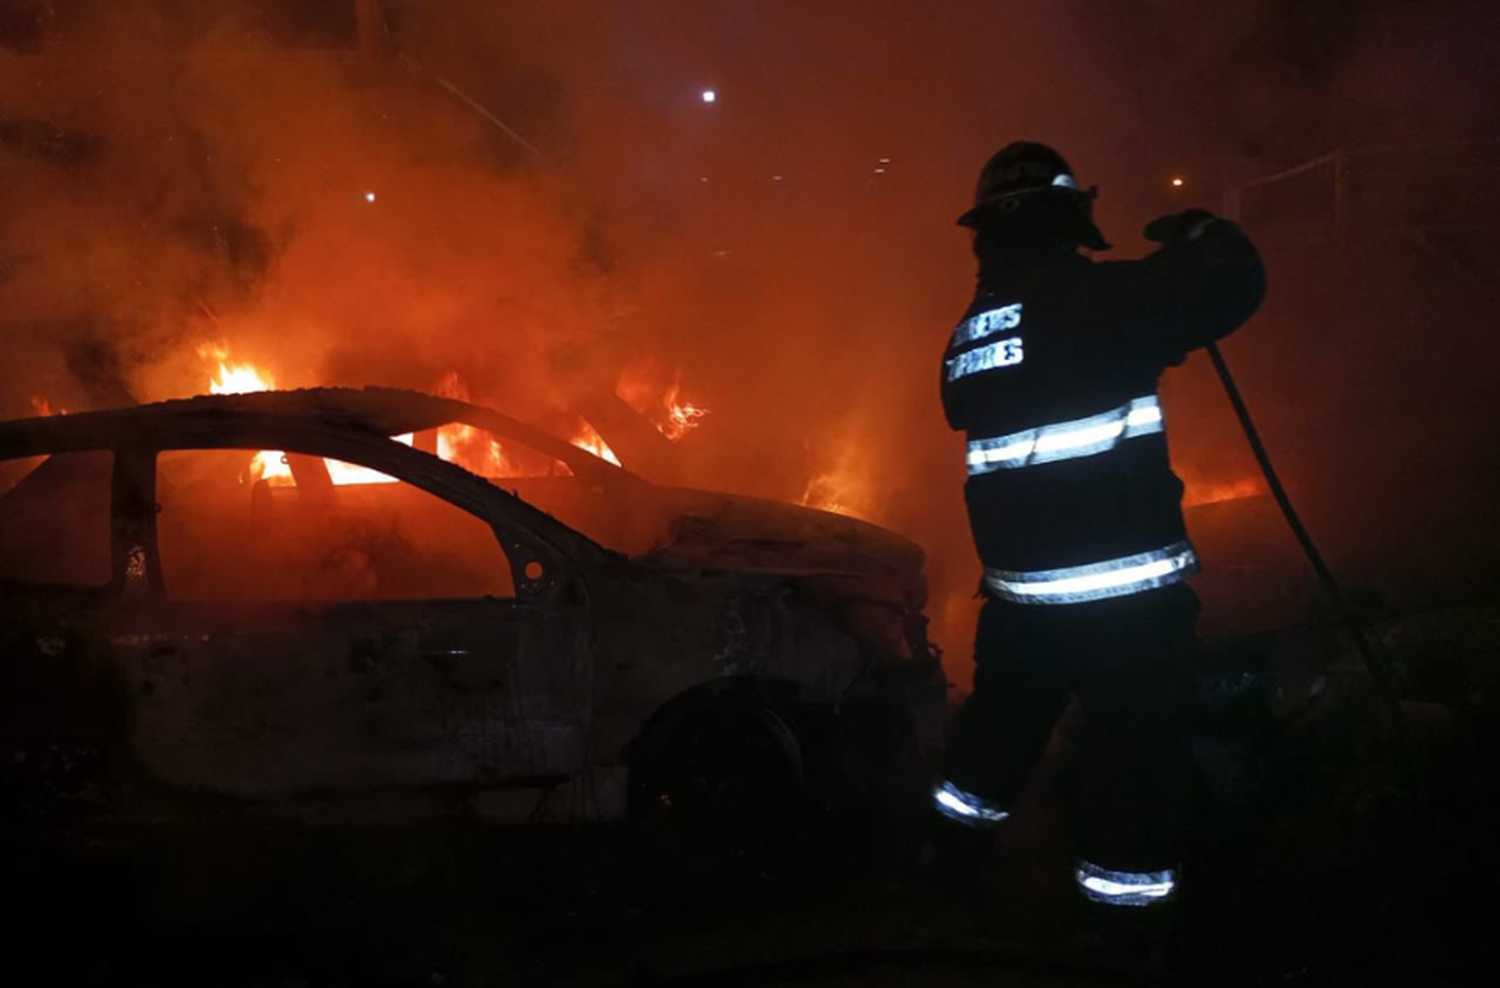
(178, 178)
(552, 200)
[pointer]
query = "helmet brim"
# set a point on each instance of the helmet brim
(1087, 231)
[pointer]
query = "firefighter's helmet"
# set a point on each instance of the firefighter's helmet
(1025, 170)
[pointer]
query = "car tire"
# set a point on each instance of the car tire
(724, 792)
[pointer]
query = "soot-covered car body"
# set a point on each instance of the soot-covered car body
(264, 604)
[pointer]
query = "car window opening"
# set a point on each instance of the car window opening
(315, 540)
(55, 519)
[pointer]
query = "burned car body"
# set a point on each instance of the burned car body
(352, 628)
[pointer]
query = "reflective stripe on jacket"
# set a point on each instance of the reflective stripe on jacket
(1052, 373)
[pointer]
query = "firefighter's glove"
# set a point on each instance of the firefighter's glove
(1179, 227)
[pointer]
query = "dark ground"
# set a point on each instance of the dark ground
(467, 907)
(1315, 864)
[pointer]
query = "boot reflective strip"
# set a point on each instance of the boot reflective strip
(1001, 353)
(1066, 440)
(1124, 888)
(1096, 581)
(966, 808)
(987, 324)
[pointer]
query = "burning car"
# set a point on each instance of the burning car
(337, 606)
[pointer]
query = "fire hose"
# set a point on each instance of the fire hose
(1381, 674)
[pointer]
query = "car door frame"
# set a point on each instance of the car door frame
(548, 561)
(62, 630)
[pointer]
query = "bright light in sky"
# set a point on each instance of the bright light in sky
(1177, 183)
(709, 96)
(369, 197)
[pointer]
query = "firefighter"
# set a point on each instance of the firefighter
(1052, 376)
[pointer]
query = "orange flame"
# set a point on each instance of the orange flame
(233, 378)
(464, 445)
(452, 385)
(842, 487)
(478, 452)
(643, 386)
(44, 408)
(270, 465)
(587, 439)
(457, 443)
(822, 492)
(682, 415)
(475, 452)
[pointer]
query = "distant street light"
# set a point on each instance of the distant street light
(709, 96)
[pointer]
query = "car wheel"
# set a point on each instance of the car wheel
(727, 791)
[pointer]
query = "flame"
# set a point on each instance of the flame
(466, 446)
(844, 472)
(1200, 492)
(822, 492)
(234, 378)
(44, 408)
(841, 491)
(842, 488)
(452, 385)
(457, 443)
(478, 452)
(646, 387)
(682, 415)
(270, 465)
(461, 444)
(473, 450)
(348, 473)
(586, 438)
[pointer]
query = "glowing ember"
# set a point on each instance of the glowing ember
(1199, 493)
(44, 408)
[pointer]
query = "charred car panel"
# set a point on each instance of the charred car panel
(131, 698)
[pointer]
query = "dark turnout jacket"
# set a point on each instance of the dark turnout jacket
(1052, 374)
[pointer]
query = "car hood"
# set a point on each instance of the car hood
(726, 532)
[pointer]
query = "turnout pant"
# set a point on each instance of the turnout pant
(1129, 662)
